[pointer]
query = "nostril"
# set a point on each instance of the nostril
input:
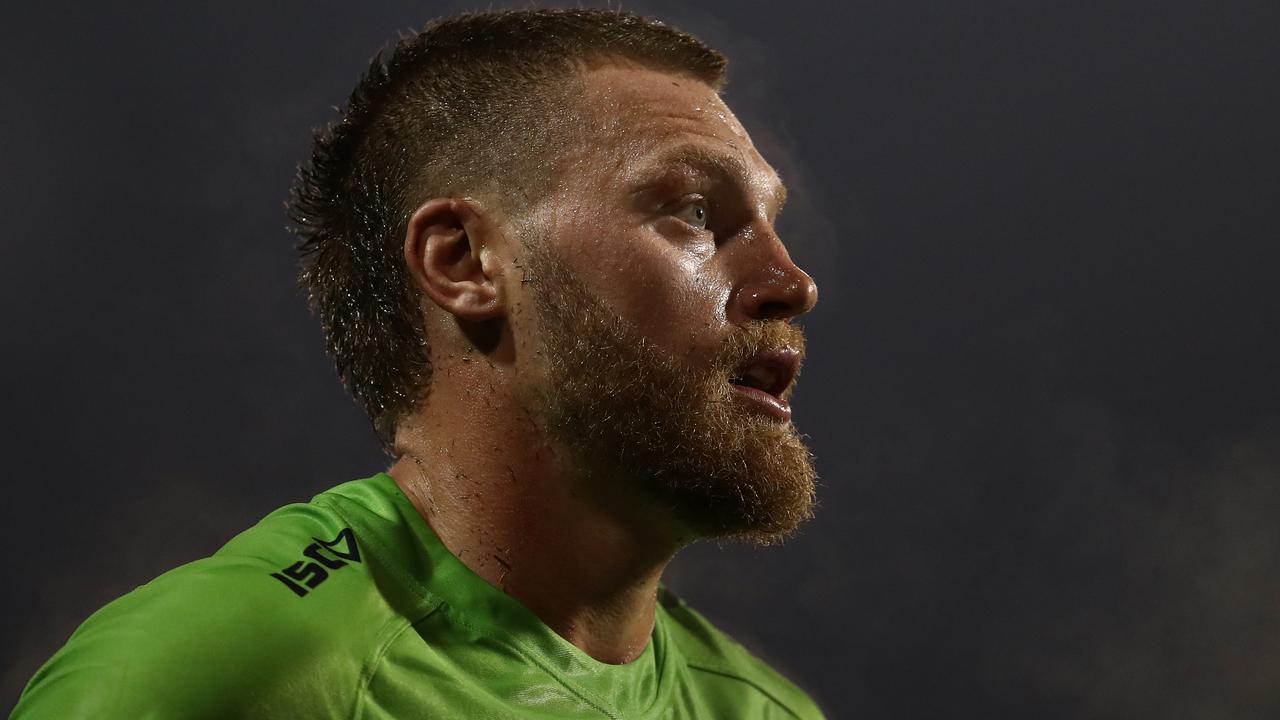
(774, 309)
(774, 299)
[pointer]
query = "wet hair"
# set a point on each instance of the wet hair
(470, 105)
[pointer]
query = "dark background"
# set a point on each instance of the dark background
(1042, 386)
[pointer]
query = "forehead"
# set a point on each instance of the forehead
(633, 114)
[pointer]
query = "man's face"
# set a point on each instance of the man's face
(663, 299)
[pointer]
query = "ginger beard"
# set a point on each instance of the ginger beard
(629, 411)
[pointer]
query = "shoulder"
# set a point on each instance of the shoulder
(728, 671)
(281, 619)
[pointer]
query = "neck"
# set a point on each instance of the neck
(507, 503)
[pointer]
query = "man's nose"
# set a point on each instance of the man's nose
(772, 286)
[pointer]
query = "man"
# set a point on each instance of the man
(543, 252)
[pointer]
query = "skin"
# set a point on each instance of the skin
(495, 485)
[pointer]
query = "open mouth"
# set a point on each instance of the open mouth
(765, 379)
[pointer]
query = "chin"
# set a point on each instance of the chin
(757, 485)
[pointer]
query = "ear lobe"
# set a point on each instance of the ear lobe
(443, 248)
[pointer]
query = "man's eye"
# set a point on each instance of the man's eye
(693, 213)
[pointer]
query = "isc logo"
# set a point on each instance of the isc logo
(313, 573)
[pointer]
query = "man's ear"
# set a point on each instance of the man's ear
(444, 249)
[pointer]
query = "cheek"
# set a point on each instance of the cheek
(674, 295)
(678, 302)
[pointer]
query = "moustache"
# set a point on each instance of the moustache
(755, 339)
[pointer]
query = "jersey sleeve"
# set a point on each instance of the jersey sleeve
(276, 624)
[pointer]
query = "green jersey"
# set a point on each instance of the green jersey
(350, 607)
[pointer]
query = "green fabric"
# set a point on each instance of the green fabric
(350, 607)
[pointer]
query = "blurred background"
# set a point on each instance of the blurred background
(1042, 387)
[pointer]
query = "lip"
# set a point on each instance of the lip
(764, 401)
(784, 364)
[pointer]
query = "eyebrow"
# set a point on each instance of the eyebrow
(709, 162)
